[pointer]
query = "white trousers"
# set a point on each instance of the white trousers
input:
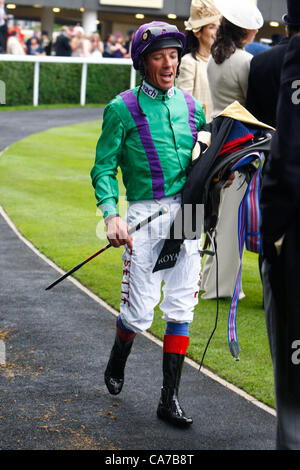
(142, 289)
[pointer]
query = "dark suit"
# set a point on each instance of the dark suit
(264, 81)
(62, 46)
(3, 36)
(280, 205)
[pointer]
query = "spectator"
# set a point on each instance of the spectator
(280, 229)
(276, 39)
(46, 43)
(265, 70)
(3, 28)
(35, 47)
(201, 29)
(96, 47)
(108, 46)
(62, 43)
(256, 47)
(14, 45)
(119, 49)
(128, 43)
(36, 34)
(20, 36)
(228, 70)
(79, 43)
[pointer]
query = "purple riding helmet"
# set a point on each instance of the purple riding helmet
(153, 36)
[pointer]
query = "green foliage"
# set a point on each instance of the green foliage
(105, 81)
(60, 83)
(18, 78)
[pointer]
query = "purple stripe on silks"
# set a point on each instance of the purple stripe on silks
(192, 109)
(142, 125)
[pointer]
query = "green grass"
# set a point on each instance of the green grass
(49, 106)
(45, 188)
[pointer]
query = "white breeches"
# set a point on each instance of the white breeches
(142, 289)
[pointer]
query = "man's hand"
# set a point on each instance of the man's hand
(117, 233)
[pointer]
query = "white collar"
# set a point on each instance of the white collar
(153, 93)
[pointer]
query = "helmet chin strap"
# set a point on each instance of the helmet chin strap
(138, 96)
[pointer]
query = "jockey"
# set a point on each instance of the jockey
(149, 132)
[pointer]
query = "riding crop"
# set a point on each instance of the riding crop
(148, 220)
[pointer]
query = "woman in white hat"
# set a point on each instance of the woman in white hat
(229, 66)
(79, 43)
(228, 70)
(201, 30)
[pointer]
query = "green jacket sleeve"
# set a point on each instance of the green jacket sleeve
(105, 169)
(200, 119)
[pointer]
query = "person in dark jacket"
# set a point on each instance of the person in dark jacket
(280, 229)
(46, 42)
(3, 28)
(62, 44)
(265, 69)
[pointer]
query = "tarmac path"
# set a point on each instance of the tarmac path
(54, 347)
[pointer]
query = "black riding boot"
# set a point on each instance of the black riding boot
(169, 408)
(114, 373)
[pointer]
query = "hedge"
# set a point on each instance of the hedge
(60, 83)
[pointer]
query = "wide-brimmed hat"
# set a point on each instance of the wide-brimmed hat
(78, 29)
(242, 13)
(293, 15)
(202, 12)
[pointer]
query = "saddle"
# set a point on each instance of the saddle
(232, 142)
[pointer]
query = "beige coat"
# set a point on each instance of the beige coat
(193, 78)
(14, 47)
(228, 81)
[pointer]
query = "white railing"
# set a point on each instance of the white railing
(67, 60)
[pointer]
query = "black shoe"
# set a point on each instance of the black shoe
(114, 372)
(169, 408)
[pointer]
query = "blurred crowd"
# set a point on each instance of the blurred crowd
(73, 42)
